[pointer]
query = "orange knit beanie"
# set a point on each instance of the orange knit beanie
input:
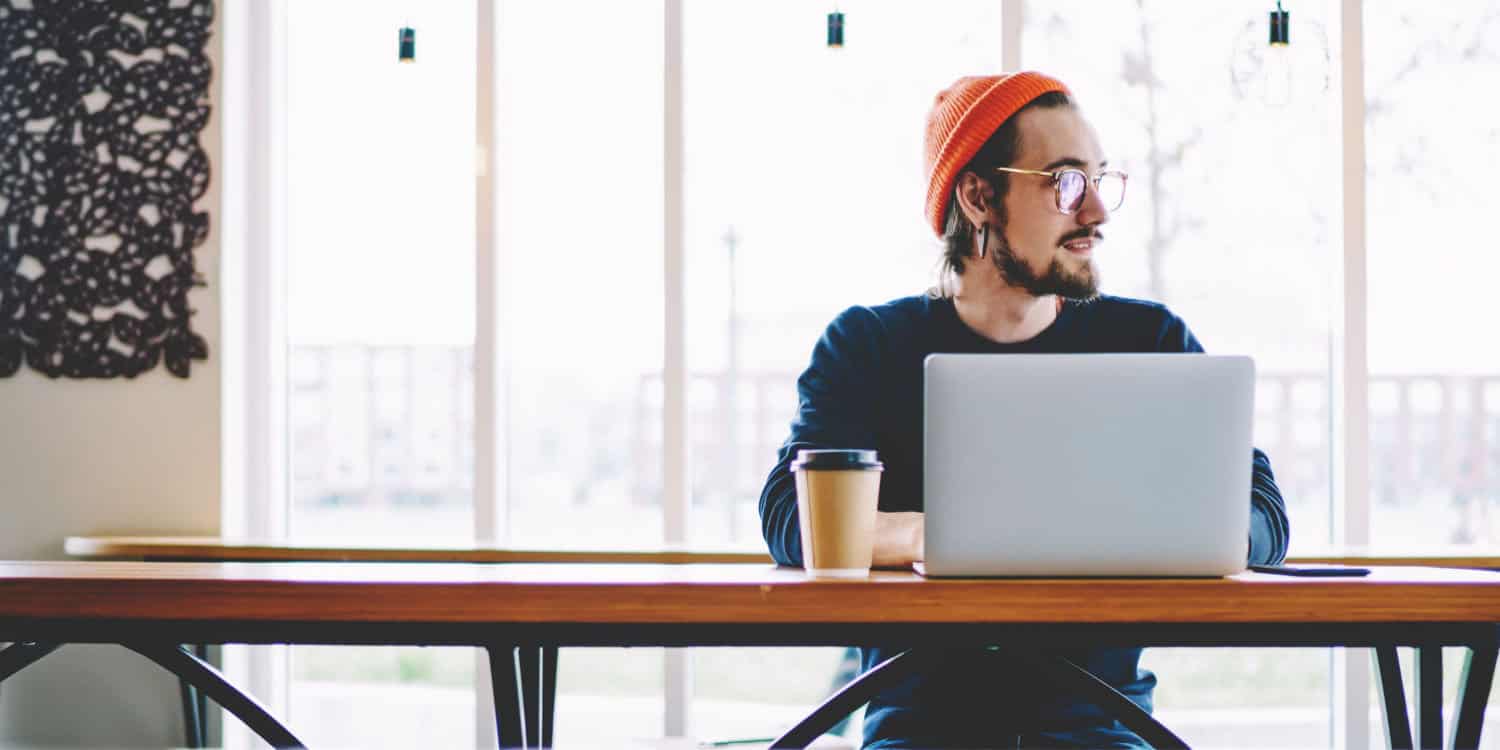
(963, 117)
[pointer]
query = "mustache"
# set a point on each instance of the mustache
(1081, 234)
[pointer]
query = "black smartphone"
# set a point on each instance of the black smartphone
(1312, 571)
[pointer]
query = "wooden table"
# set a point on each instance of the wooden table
(158, 548)
(150, 607)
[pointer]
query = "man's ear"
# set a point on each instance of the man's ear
(973, 196)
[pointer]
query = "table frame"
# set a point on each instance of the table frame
(528, 644)
(535, 665)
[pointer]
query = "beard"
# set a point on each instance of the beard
(1082, 285)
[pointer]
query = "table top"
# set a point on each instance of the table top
(210, 548)
(714, 593)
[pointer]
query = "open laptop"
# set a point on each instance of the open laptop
(1087, 464)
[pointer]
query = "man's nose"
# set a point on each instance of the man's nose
(1093, 211)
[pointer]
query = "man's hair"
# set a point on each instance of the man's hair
(999, 151)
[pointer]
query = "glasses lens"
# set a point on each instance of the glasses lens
(1070, 185)
(1112, 189)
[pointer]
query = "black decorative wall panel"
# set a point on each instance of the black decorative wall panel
(101, 107)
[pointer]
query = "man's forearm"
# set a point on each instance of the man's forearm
(1270, 529)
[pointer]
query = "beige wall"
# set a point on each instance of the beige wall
(113, 456)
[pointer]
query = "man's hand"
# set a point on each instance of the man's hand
(898, 539)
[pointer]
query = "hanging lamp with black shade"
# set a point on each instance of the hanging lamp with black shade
(1265, 68)
(1281, 22)
(835, 30)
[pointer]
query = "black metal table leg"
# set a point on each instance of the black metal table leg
(1429, 708)
(192, 718)
(195, 706)
(199, 681)
(538, 678)
(201, 650)
(547, 710)
(510, 708)
(858, 692)
(1473, 692)
(210, 681)
(1075, 680)
(1392, 698)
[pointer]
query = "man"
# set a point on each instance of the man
(1018, 188)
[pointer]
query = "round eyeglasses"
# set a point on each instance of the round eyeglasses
(1072, 185)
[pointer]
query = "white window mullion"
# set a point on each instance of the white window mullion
(1012, 21)
(257, 500)
(491, 500)
(675, 483)
(491, 325)
(256, 478)
(676, 665)
(271, 666)
(1350, 383)
(1353, 364)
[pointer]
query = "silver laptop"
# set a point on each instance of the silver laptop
(1087, 464)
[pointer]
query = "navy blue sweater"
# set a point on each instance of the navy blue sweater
(863, 389)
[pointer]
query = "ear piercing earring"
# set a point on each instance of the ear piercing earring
(984, 238)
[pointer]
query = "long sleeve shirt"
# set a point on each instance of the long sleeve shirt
(863, 389)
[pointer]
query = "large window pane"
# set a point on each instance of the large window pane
(380, 256)
(581, 100)
(1433, 153)
(380, 250)
(804, 194)
(1231, 220)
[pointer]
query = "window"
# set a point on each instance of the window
(1434, 390)
(380, 256)
(581, 200)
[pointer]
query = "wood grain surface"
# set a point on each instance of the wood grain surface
(706, 593)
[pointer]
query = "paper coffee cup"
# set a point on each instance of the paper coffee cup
(838, 492)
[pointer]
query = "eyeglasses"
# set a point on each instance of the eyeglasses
(1072, 186)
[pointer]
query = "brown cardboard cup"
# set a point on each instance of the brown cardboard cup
(838, 492)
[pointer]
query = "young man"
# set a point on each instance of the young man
(1018, 188)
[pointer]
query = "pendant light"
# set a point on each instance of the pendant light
(407, 45)
(835, 29)
(1267, 68)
